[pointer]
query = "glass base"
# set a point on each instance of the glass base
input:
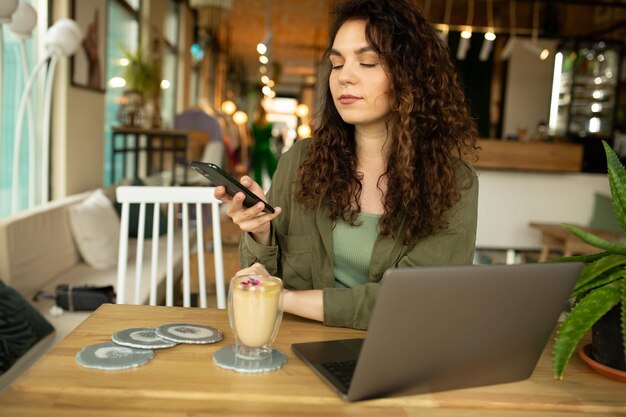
(227, 359)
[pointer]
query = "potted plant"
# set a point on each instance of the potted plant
(142, 76)
(600, 292)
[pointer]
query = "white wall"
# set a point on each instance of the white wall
(528, 88)
(77, 130)
(508, 201)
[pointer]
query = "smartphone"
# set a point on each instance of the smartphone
(217, 176)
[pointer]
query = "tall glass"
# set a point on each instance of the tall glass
(255, 309)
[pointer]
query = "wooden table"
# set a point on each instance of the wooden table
(556, 237)
(184, 381)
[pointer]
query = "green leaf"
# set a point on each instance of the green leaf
(584, 314)
(603, 279)
(583, 258)
(597, 268)
(614, 247)
(617, 181)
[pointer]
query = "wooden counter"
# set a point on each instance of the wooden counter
(529, 156)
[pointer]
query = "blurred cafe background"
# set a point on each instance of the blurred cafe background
(89, 88)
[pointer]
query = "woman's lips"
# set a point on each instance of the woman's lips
(347, 99)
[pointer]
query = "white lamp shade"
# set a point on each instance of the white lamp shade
(7, 7)
(23, 20)
(464, 45)
(64, 36)
(508, 48)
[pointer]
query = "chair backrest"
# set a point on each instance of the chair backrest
(172, 197)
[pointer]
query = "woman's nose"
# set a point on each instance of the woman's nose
(346, 75)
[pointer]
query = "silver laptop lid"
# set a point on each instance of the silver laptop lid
(441, 328)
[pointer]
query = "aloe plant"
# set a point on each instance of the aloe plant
(602, 282)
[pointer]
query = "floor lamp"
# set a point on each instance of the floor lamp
(62, 39)
(7, 7)
(23, 22)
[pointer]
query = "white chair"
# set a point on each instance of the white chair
(184, 196)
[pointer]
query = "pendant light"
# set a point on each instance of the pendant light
(466, 35)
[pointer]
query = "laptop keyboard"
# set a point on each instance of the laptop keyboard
(343, 371)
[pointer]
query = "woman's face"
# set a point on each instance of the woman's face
(358, 82)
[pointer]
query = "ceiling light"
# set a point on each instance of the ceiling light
(464, 44)
(263, 59)
(229, 107)
(240, 118)
(265, 79)
(304, 131)
(487, 46)
(302, 110)
(261, 48)
(263, 69)
(445, 28)
(542, 53)
(508, 48)
(266, 90)
(117, 82)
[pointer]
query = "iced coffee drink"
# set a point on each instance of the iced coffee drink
(255, 311)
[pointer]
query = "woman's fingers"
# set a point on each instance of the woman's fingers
(254, 221)
(220, 194)
(256, 269)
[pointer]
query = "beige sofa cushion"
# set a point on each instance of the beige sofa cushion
(96, 230)
(36, 245)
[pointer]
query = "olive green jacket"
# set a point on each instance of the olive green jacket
(301, 247)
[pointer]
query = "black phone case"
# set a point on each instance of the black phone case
(218, 176)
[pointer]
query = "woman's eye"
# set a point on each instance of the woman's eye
(337, 66)
(368, 65)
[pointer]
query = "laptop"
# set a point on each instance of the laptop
(443, 328)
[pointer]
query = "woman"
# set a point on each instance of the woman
(381, 184)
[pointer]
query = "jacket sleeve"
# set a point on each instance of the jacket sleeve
(353, 307)
(279, 195)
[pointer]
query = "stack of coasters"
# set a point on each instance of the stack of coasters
(133, 347)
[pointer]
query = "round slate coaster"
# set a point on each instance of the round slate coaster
(189, 333)
(226, 358)
(112, 357)
(142, 338)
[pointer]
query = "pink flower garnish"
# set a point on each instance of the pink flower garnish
(251, 281)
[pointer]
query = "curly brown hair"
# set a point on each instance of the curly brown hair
(429, 126)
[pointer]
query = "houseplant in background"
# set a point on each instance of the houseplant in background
(142, 76)
(600, 292)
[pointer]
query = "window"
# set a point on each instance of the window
(11, 88)
(170, 62)
(123, 32)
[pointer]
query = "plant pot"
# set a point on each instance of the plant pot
(606, 339)
(131, 108)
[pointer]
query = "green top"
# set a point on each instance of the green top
(301, 244)
(352, 250)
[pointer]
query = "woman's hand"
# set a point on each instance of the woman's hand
(256, 269)
(252, 220)
(309, 304)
